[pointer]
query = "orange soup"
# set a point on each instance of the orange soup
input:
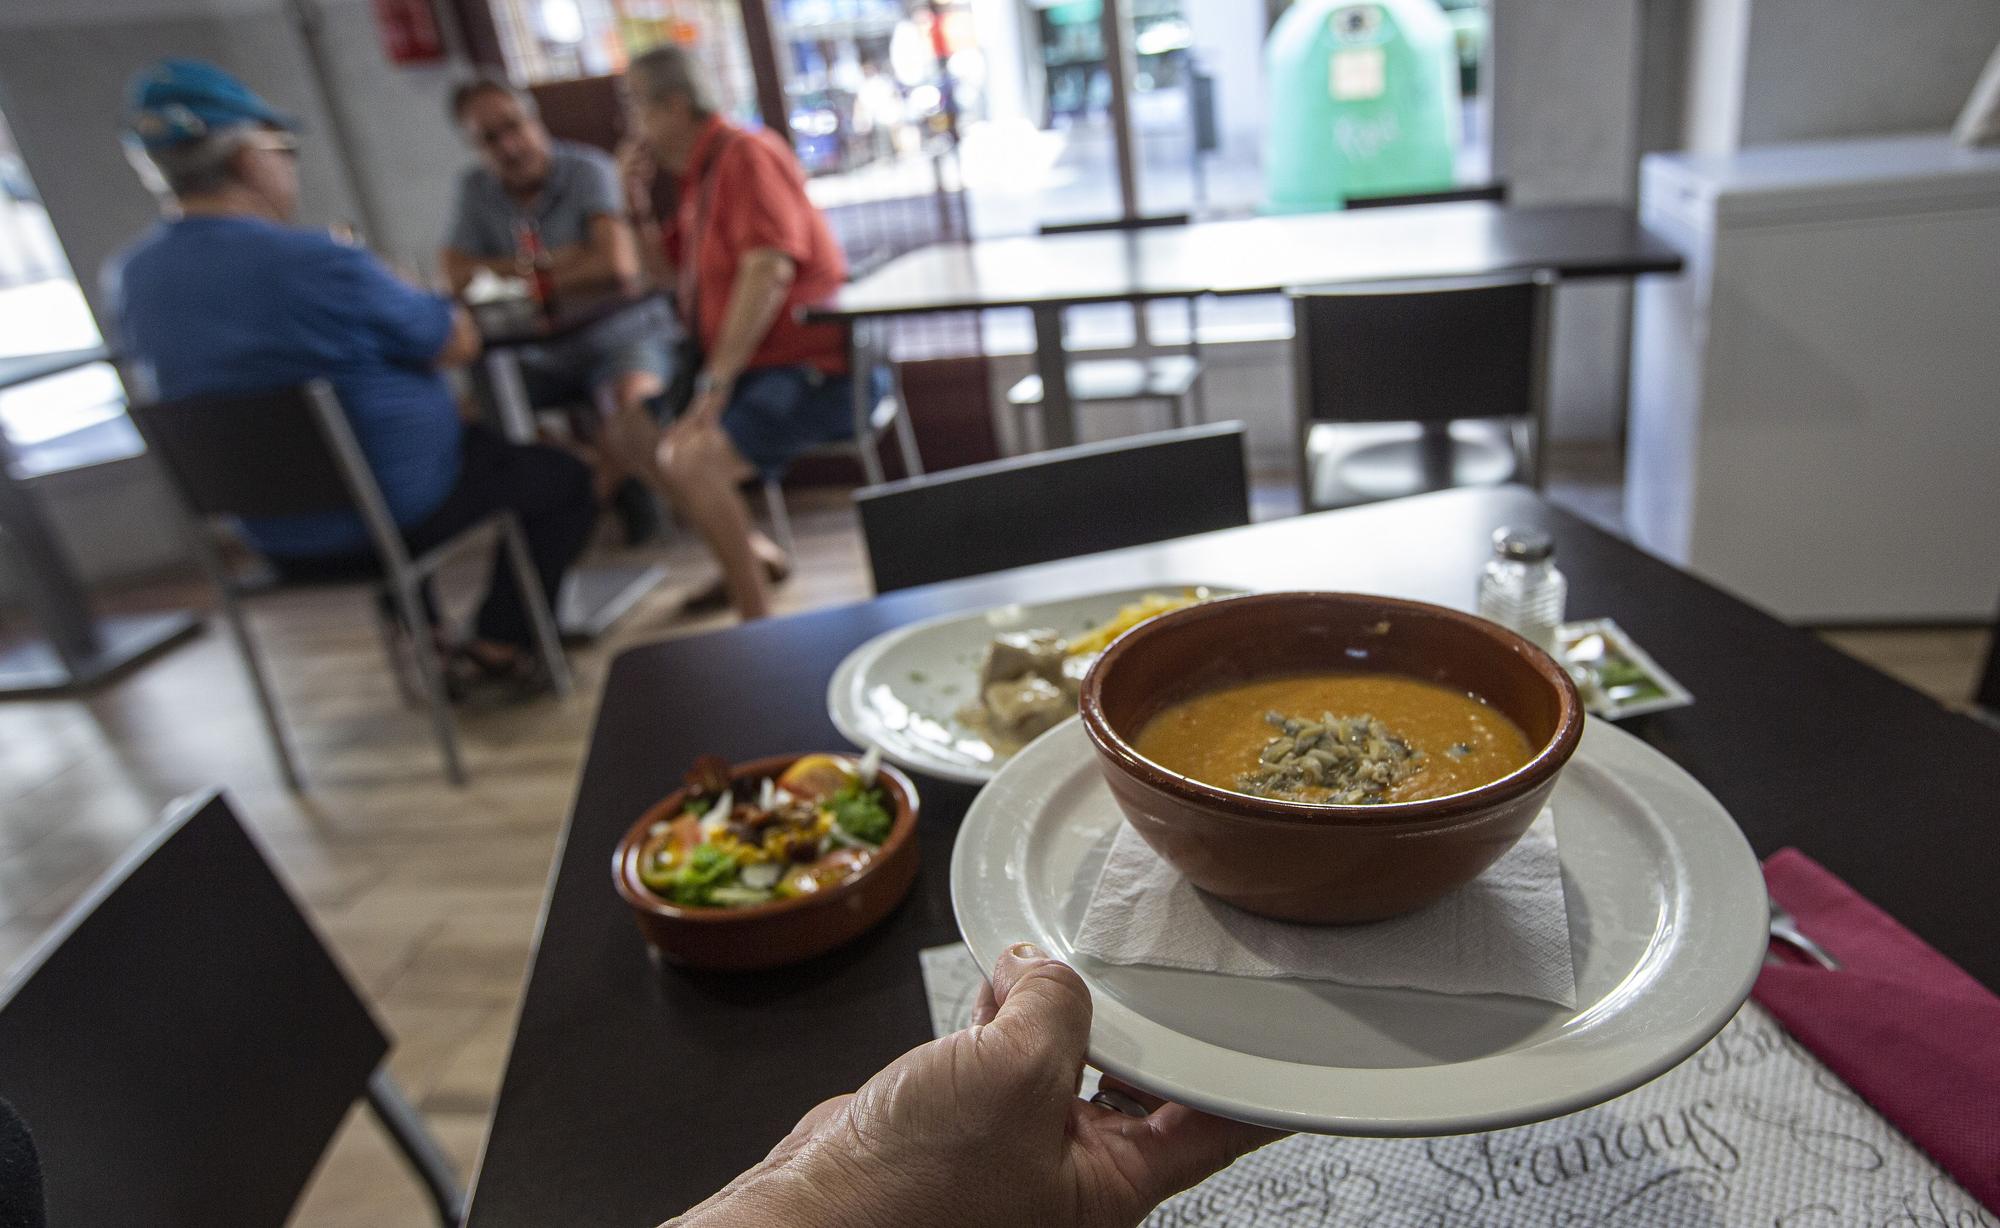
(1350, 739)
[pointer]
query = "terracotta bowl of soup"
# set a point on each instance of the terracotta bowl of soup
(1448, 734)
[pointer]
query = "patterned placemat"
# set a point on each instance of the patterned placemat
(1750, 1132)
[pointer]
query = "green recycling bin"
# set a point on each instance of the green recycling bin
(1364, 102)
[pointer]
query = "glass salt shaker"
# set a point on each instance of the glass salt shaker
(1521, 588)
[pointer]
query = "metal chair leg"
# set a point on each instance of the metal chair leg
(1197, 406)
(403, 588)
(419, 1146)
(781, 520)
(1306, 473)
(387, 627)
(1537, 453)
(871, 461)
(1436, 453)
(267, 703)
(548, 645)
(1987, 696)
(906, 438)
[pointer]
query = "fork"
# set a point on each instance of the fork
(1786, 930)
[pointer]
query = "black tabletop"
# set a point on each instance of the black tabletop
(570, 319)
(634, 1092)
(1259, 255)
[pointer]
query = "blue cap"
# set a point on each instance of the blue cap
(183, 100)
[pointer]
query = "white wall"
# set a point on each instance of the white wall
(1816, 69)
(1718, 44)
(1577, 94)
(1565, 128)
(63, 69)
(1762, 72)
(407, 155)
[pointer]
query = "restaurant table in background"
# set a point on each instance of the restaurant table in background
(633, 1092)
(77, 647)
(1047, 273)
(595, 596)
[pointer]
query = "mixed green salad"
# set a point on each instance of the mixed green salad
(815, 826)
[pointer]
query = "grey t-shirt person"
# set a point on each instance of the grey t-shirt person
(582, 186)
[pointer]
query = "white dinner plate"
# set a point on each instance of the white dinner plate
(1667, 920)
(902, 690)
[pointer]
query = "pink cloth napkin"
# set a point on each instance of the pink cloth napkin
(1907, 1029)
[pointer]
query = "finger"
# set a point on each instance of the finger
(1146, 1100)
(986, 1007)
(1180, 1147)
(1043, 1008)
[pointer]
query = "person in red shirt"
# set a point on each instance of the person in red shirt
(751, 251)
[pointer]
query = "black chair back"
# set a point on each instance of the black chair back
(182, 1046)
(1987, 694)
(260, 454)
(1155, 222)
(1055, 505)
(21, 1203)
(1421, 351)
(1494, 192)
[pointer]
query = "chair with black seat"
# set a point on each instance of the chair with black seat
(1150, 376)
(1465, 360)
(290, 451)
(1987, 696)
(1496, 193)
(182, 1046)
(1055, 505)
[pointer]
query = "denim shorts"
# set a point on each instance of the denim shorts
(553, 381)
(570, 371)
(775, 413)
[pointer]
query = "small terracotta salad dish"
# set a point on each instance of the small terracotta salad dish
(769, 862)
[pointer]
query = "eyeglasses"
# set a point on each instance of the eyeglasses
(488, 137)
(276, 142)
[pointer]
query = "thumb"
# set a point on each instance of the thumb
(1042, 1011)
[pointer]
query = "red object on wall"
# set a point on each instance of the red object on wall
(409, 31)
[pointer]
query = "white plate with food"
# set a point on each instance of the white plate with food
(1666, 916)
(955, 696)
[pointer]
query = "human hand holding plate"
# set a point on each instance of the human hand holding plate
(983, 1127)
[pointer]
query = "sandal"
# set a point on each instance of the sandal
(522, 675)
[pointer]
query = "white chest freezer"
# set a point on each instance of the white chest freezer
(1815, 402)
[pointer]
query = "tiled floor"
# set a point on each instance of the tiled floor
(428, 893)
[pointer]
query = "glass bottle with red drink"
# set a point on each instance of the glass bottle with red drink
(536, 265)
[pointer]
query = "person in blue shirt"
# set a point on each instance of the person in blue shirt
(225, 296)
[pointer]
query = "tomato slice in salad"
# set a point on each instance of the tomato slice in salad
(816, 776)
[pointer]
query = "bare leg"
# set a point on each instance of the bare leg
(703, 470)
(630, 435)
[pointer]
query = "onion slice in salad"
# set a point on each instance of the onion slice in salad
(716, 818)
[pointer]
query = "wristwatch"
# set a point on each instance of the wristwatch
(704, 383)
